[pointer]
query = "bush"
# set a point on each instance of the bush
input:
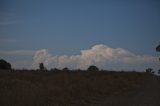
(92, 68)
(150, 70)
(55, 69)
(65, 69)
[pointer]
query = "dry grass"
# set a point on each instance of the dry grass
(64, 88)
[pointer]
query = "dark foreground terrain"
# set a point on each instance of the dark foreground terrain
(36, 88)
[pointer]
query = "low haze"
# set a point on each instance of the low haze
(111, 34)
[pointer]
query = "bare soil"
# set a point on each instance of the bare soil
(148, 94)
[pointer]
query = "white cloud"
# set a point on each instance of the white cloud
(100, 55)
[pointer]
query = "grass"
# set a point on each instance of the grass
(36, 88)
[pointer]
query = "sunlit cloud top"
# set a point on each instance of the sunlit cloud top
(100, 55)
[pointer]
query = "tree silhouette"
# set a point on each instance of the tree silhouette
(65, 69)
(4, 64)
(41, 66)
(158, 48)
(92, 68)
(150, 70)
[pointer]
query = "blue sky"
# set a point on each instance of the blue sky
(69, 26)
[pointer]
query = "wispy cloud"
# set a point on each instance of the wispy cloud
(17, 53)
(7, 40)
(9, 22)
(21, 64)
(8, 19)
(100, 55)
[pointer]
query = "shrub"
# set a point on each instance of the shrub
(92, 68)
(150, 70)
(65, 69)
(55, 69)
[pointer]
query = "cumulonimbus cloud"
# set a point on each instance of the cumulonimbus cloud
(100, 55)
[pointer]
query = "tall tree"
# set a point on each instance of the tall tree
(158, 48)
(4, 64)
(41, 66)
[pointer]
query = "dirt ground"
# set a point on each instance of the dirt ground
(146, 95)
(36, 88)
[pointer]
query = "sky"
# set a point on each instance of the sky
(63, 33)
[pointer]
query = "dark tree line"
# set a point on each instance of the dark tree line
(91, 68)
(7, 66)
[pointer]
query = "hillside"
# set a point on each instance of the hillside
(36, 88)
